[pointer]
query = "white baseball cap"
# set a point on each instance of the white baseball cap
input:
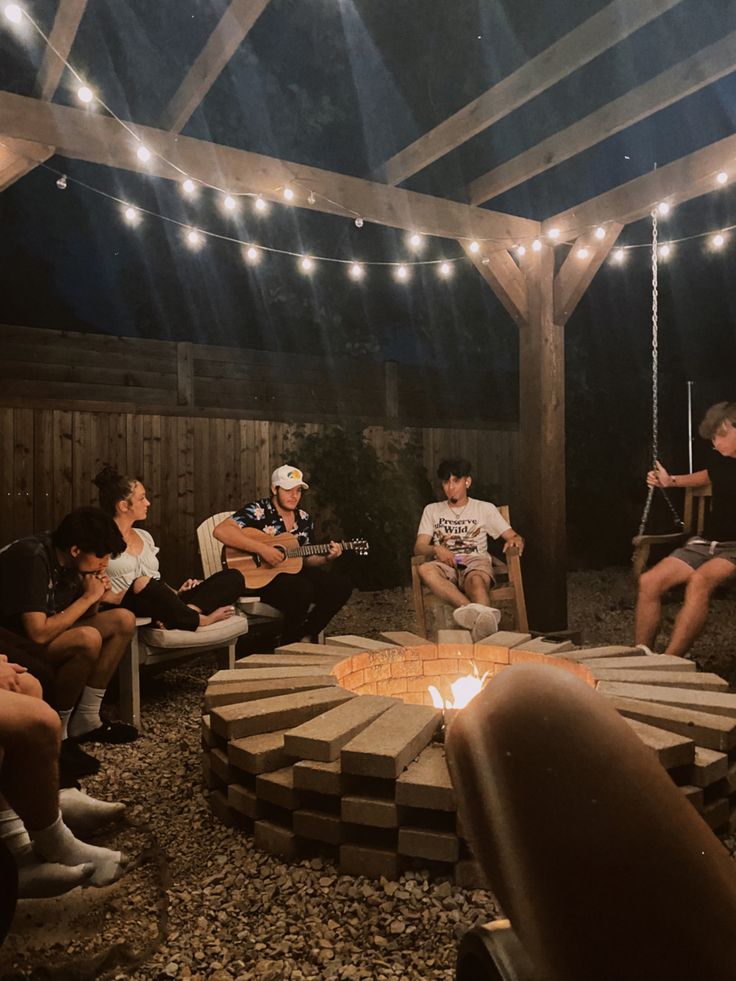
(288, 478)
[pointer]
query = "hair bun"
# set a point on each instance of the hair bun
(107, 476)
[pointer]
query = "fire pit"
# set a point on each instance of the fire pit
(338, 748)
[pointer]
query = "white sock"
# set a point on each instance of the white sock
(57, 844)
(65, 715)
(84, 815)
(87, 713)
(37, 879)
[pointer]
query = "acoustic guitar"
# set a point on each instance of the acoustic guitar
(257, 574)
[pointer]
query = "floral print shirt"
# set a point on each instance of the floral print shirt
(264, 516)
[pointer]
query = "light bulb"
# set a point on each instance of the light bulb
(260, 204)
(229, 202)
(618, 255)
(85, 93)
(306, 264)
(445, 270)
(663, 208)
(252, 254)
(61, 183)
(143, 153)
(582, 253)
(194, 238)
(600, 232)
(665, 250)
(416, 241)
(358, 222)
(553, 233)
(288, 194)
(474, 247)
(132, 215)
(402, 273)
(14, 13)
(521, 251)
(536, 245)
(356, 271)
(722, 177)
(718, 240)
(188, 186)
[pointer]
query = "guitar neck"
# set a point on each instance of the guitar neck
(304, 550)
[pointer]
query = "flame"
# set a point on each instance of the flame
(463, 691)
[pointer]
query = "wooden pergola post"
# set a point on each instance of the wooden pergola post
(542, 447)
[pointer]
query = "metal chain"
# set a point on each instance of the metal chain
(655, 382)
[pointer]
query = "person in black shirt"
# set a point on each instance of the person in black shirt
(50, 588)
(702, 563)
(310, 598)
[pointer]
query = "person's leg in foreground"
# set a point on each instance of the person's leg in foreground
(604, 869)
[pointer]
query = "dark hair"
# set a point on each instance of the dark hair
(453, 468)
(91, 530)
(113, 487)
(715, 417)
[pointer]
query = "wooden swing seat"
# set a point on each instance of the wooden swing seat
(697, 503)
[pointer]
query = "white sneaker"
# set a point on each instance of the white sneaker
(647, 650)
(479, 619)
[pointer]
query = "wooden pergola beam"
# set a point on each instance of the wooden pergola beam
(576, 273)
(222, 44)
(601, 31)
(19, 157)
(66, 24)
(701, 69)
(676, 182)
(101, 140)
(504, 277)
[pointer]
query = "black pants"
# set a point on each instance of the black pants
(327, 589)
(159, 602)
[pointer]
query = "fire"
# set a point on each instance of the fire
(463, 691)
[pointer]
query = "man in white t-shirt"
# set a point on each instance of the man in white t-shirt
(453, 533)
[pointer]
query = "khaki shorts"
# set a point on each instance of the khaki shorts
(697, 551)
(479, 562)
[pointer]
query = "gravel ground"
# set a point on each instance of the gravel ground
(202, 903)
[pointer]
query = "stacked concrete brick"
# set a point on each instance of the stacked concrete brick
(337, 748)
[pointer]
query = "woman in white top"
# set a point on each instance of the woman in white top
(134, 575)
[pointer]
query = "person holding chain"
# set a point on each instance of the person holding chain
(453, 533)
(310, 598)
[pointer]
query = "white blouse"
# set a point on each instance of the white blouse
(124, 568)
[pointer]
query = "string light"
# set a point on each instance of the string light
(722, 177)
(306, 264)
(718, 240)
(665, 250)
(229, 203)
(14, 13)
(600, 232)
(583, 253)
(85, 94)
(402, 274)
(536, 245)
(132, 215)
(619, 256)
(445, 270)
(61, 182)
(252, 254)
(663, 209)
(521, 251)
(143, 153)
(194, 238)
(261, 205)
(356, 271)
(358, 222)
(188, 186)
(474, 247)
(416, 241)
(553, 233)
(288, 194)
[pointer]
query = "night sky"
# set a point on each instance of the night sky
(344, 85)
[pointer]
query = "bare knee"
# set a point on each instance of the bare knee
(84, 643)
(28, 685)
(699, 587)
(41, 727)
(122, 621)
(651, 585)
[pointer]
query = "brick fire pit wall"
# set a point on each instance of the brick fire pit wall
(336, 748)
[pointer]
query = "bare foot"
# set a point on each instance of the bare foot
(222, 613)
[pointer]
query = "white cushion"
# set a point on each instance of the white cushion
(213, 635)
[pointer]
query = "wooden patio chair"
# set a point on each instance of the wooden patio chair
(697, 502)
(509, 588)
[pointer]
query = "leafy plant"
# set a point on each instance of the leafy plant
(356, 494)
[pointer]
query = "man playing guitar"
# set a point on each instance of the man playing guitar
(318, 585)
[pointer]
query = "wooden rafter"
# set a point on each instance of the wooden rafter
(584, 260)
(601, 31)
(66, 24)
(691, 75)
(505, 279)
(679, 181)
(100, 139)
(222, 44)
(18, 157)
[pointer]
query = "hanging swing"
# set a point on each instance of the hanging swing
(643, 542)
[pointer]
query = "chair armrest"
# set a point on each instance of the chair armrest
(420, 559)
(672, 538)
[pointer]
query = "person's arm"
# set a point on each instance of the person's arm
(42, 629)
(659, 477)
(230, 533)
(513, 540)
(423, 546)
